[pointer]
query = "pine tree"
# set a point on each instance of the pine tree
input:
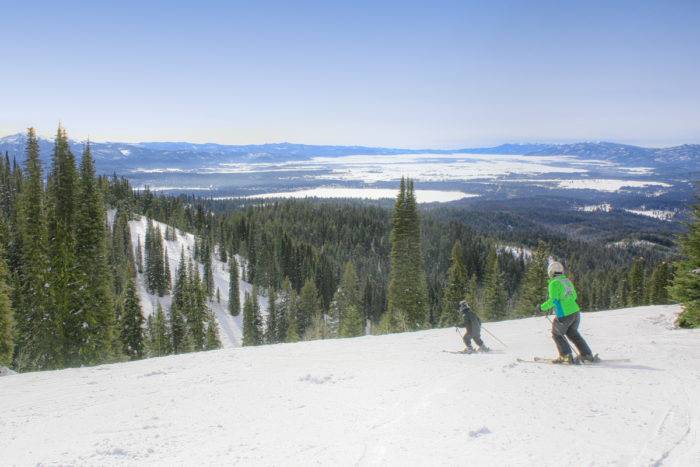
(308, 307)
(455, 290)
(686, 282)
(353, 323)
(408, 294)
(96, 309)
(6, 318)
(659, 283)
(139, 255)
(533, 290)
(252, 332)
(234, 297)
(212, 339)
(208, 269)
(159, 338)
(285, 311)
(36, 332)
(181, 341)
(121, 253)
(495, 299)
(272, 320)
(132, 323)
(64, 279)
(347, 295)
(635, 295)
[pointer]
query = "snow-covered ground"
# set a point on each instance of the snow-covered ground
(660, 214)
(384, 400)
(230, 327)
(603, 207)
(422, 196)
(607, 185)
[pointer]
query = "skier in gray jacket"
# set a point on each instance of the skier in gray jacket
(472, 323)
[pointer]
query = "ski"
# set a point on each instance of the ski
(464, 352)
(551, 361)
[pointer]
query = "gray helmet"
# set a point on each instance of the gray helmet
(463, 304)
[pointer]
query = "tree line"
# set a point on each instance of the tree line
(68, 277)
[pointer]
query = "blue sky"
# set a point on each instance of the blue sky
(406, 74)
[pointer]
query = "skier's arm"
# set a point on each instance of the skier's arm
(553, 295)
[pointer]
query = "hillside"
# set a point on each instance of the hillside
(230, 327)
(395, 399)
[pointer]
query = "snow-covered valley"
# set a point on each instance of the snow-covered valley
(375, 400)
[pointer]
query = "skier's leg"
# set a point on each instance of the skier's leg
(559, 328)
(578, 340)
(467, 338)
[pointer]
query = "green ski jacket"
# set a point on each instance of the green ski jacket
(562, 297)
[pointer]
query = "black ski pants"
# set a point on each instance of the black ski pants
(568, 327)
(473, 332)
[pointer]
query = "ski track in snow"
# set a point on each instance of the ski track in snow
(375, 400)
(230, 327)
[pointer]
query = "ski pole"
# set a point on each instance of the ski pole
(491, 334)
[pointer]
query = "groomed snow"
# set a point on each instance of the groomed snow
(385, 400)
(422, 196)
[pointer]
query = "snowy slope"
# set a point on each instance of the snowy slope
(375, 400)
(230, 327)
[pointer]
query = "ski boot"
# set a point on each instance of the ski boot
(589, 358)
(468, 349)
(565, 359)
(483, 349)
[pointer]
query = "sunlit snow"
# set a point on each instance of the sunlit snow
(422, 196)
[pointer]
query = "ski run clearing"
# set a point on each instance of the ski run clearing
(230, 327)
(375, 400)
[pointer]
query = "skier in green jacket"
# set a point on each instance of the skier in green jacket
(562, 298)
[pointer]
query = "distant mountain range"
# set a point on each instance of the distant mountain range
(125, 157)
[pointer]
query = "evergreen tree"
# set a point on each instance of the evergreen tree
(659, 283)
(635, 295)
(533, 290)
(353, 323)
(272, 321)
(286, 311)
(347, 296)
(686, 282)
(208, 269)
(132, 323)
(181, 341)
(139, 255)
(252, 331)
(96, 310)
(36, 324)
(64, 279)
(6, 319)
(620, 299)
(212, 339)
(159, 338)
(234, 294)
(455, 290)
(308, 307)
(408, 294)
(495, 299)
(121, 253)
